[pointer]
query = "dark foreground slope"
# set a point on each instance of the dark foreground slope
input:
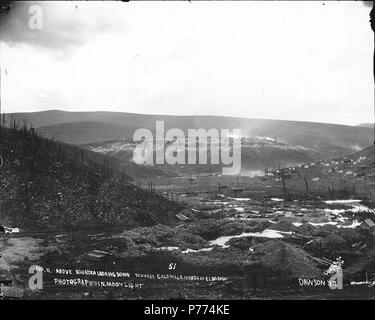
(44, 183)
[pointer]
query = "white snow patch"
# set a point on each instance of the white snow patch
(335, 212)
(360, 208)
(168, 248)
(240, 199)
(354, 225)
(268, 233)
(323, 223)
(354, 283)
(11, 230)
(199, 250)
(342, 201)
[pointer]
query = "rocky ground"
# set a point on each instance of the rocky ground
(238, 238)
(256, 249)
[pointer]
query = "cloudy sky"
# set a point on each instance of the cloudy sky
(309, 61)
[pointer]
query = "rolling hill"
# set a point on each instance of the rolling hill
(256, 154)
(366, 125)
(301, 141)
(364, 157)
(86, 132)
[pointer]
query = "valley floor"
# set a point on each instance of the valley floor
(237, 238)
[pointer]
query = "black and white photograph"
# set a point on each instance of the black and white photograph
(187, 150)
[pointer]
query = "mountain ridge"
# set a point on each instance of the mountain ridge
(320, 140)
(56, 112)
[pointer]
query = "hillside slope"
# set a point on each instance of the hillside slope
(44, 185)
(256, 154)
(274, 142)
(366, 125)
(364, 157)
(84, 132)
(323, 137)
